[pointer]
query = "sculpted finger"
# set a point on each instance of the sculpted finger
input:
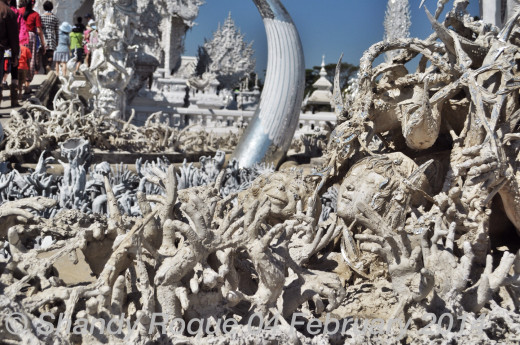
(370, 238)
(451, 236)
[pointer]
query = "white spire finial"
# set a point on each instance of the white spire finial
(323, 73)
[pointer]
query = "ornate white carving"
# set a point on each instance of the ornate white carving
(187, 67)
(186, 10)
(110, 71)
(397, 23)
(231, 58)
(160, 36)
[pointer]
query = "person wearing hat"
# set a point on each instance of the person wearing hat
(62, 53)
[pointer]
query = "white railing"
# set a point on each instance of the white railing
(219, 120)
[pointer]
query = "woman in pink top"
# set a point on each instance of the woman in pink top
(23, 33)
(34, 26)
(23, 36)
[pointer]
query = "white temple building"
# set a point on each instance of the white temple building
(323, 94)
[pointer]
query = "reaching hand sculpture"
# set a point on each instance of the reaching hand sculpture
(15, 212)
(411, 281)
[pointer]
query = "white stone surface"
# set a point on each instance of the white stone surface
(68, 10)
(497, 12)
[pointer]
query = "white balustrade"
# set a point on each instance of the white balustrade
(223, 120)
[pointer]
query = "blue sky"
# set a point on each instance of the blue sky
(326, 27)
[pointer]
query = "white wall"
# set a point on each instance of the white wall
(67, 10)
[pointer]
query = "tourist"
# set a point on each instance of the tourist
(89, 40)
(50, 24)
(8, 35)
(7, 67)
(23, 33)
(79, 25)
(61, 54)
(24, 68)
(36, 39)
(76, 43)
(23, 37)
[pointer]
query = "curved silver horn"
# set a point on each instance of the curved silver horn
(270, 132)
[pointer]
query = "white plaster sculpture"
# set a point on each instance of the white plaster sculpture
(72, 189)
(181, 17)
(45, 128)
(246, 99)
(465, 188)
(397, 23)
(415, 235)
(118, 70)
(75, 189)
(110, 67)
(160, 37)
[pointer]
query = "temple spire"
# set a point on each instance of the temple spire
(323, 73)
(323, 94)
(231, 57)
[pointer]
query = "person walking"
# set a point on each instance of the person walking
(36, 39)
(7, 68)
(23, 33)
(8, 36)
(89, 40)
(50, 25)
(23, 37)
(24, 67)
(79, 25)
(76, 43)
(61, 54)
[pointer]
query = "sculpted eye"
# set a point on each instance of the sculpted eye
(349, 188)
